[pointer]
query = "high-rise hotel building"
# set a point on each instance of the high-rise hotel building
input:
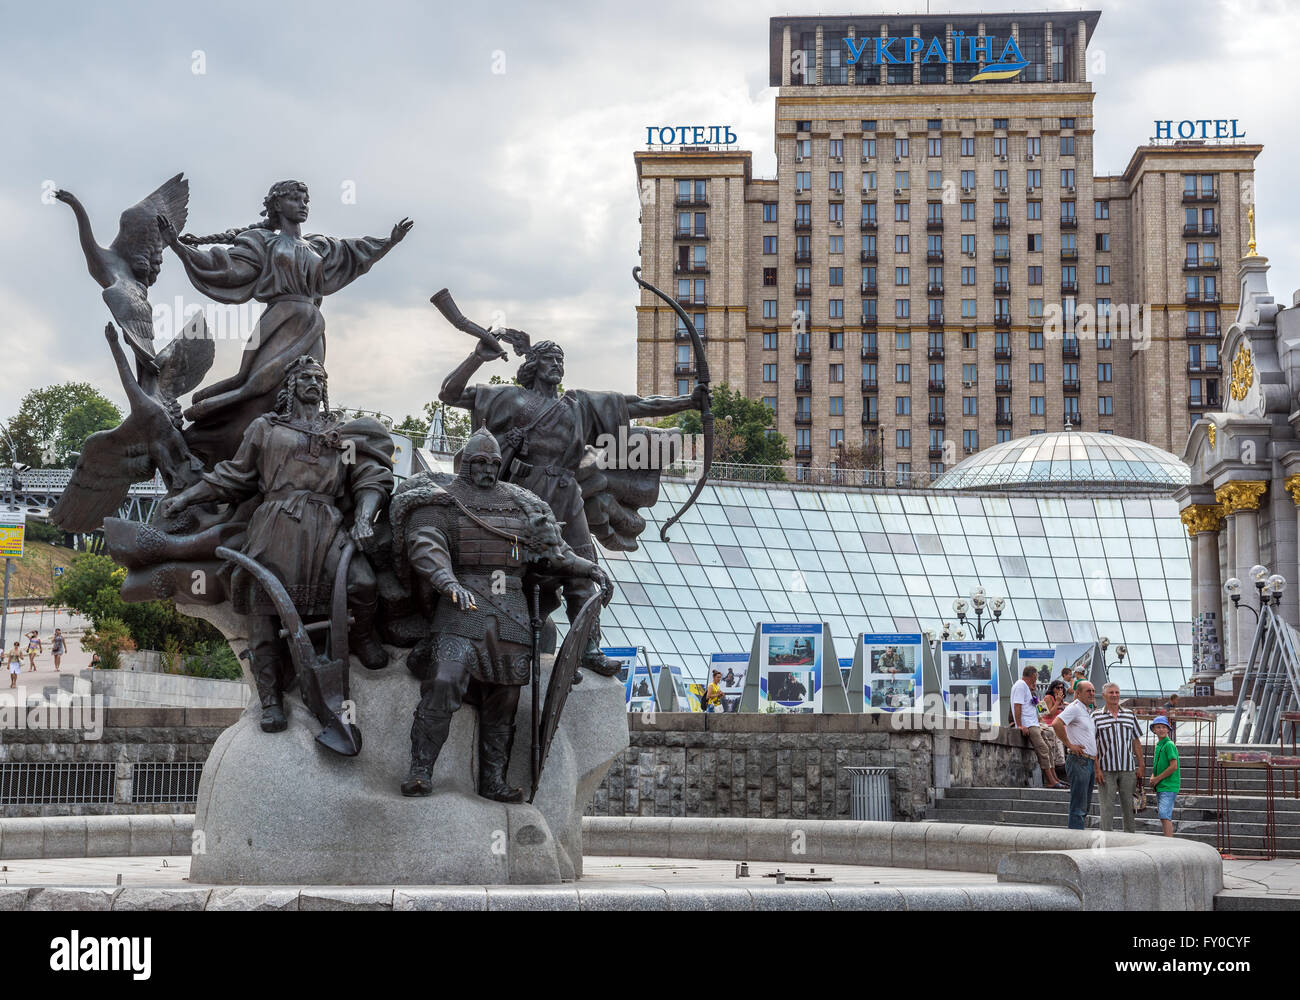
(936, 267)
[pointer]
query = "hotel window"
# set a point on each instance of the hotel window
(1036, 336)
(835, 338)
(1034, 147)
(936, 407)
(1002, 275)
(868, 124)
(900, 73)
(769, 211)
(700, 257)
(869, 149)
(902, 373)
(999, 122)
(683, 289)
(870, 407)
(902, 438)
(1034, 178)
(836, 213)
(806, 124)
(967, 308)
(802, 310)
(769, 373)
(1004, 433)
(836, 181)
(968, 147)
(901, 145)
(868, 211)
(803, 212)
(902, 340)
(836, 373)
(1000, 210)
(869, 181)
(934, 147)
(999, 178)
(869, 344)
(803, 276)
(968, 179)
(835, 276)
(968, 211)
(805, 61)
(1037, 405)
(1069, 242)
(1001, 245)
(869, 312)
(803, 148)
(868, 371)
(769, 244)
(1033, 210)
(1000, 145)
(936, 305)
(1105, 406)
(683, 387)
(968, 244)
(1070, 370)
(1067, 123)
(835, 308)
(1067, 211)
(1036, 312)
(1101, 209)
(1067, 145)
(970, 439)
(902, 470)
(1035, 243)
(1035, 275)
(968, 340)
(802, 181)
(1103, 372)
(836, 437)
(684, 223)
(902, 180)
(769, 312)
(970, 406)
(934, 179)
(770, 403)
(1103, 242)
(902, 405)
(970, 373)
(902, 276)
(1103, 274)
(902, 243)
(1069, 275)
(868, 275)
(836, 244)
(901, 211)
(836, 149)
(770, 338)
(902, 308)
(1036, 373)
(1067, 179)
(968, 275)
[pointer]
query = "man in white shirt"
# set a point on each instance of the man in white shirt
(1024, 712)
(1076, 730)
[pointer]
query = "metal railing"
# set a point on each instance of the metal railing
(166, 781)
(57, 783)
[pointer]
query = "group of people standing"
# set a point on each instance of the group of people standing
(1082, 747)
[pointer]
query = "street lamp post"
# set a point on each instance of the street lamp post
(15, 467)
(981, 604)
(1121, 651)
(1268, 588)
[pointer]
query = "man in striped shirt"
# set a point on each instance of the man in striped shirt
(1119, 758)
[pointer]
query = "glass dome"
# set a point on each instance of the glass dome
(1067, 461)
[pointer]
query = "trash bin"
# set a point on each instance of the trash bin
(869, 793)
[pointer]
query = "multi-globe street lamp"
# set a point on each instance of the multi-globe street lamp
(981, 604)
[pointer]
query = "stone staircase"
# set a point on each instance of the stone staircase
(1196, 812)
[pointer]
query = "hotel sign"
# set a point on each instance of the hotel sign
(1199, 128)
(899, 49)
(690, 135)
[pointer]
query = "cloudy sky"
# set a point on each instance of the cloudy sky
(505, 130)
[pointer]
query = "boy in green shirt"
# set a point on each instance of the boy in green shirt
(1165, 775)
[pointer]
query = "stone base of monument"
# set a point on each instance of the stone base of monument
(280, 809)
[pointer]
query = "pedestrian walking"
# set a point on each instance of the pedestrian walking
(58, 646)
(15, 663)
(33, 647)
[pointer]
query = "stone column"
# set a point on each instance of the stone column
(1241, 499)
(1291, 569)
(1203, 522)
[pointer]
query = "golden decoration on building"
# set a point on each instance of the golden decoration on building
(1210, 432)
(1250, 245)
(1243, 373)
(1241, 495)
(1292, 484)
(1202, 517)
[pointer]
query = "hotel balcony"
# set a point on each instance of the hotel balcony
(1001, 255)
(1194, 197)
(691, 269)
(869, 322)
(1202, 264)
(691, 234)
(1002, 418)
(1206, 368)
(937, 420)
(1069, 288)
(803, 353)
(803, 385)
(802, 417)
(1070, 222)
(1202, 402)
(1002, 222)
(1002, 385)
(1211, 230)
(803, 256)
(1070, 349)
(867, 225)
(870, 419)
(936, 385)
(1002, 321)
(870, 353)
(681, 201)
(934, 288)
(802, 225)
(936, 453)
(869, 289)
(868, 258)
(1076, 421)
(934, 256)
(1201, 298)
(1070, 385)
(688, 368)
(1001, 354)
(870, 385)
(934, 225)
(1202, 331)
(1001, 288)
(803, 289)
(936, 353)
(1068, 254)
(935, 322)
(803, 451)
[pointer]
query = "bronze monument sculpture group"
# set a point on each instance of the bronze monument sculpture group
(288, 514)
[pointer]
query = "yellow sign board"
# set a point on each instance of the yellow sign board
(11, 535)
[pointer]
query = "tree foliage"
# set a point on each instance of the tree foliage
(54, 421)
(741, 429)
(92, 585)
(455, 423)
